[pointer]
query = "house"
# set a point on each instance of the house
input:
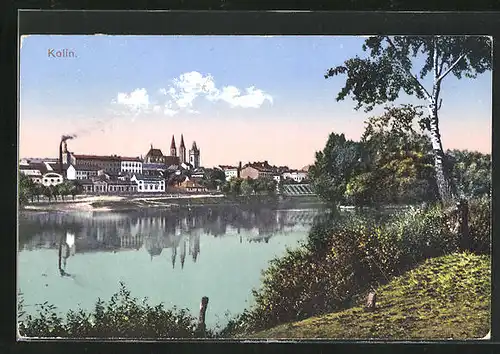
(154, 156)
(52, 179)
(131, 164)
(149, 184)
(80, 172)
(256, 170)
(153, 169)
(191, 186)
(33, 170)
(229, 171)
(119, 186)
(198, 173)
(106, 163)
(296, 175)
(186, 166)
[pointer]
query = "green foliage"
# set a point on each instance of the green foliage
(386, 72)
(334, 166)
(345, 256)
(480, 225)
(471, 172)
(442, 298)
(121, 317)
(247, 187)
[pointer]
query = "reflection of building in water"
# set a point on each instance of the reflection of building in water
(69, 247)
(194, 245)
(174, 255)
(183, 252)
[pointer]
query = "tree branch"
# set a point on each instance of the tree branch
(408, 72)
(450, 68)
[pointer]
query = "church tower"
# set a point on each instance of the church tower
(194, 156)
(182, 151)
(173, 149)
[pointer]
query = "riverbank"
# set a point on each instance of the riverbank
(416, 305)
(102, 203)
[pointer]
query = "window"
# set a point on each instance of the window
(140, 187)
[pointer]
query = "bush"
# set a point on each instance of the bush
(480, 225)
(345, 256)
(122, 317)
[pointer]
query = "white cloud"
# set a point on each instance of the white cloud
(189, 86)
(182, 93)
(254, 98)
(136, 102)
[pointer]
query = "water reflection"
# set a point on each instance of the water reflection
(154, 230)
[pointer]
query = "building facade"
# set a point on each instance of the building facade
(52, 179)
(111, 164)
(256, 170)
(149, 184)
(131, 165)
(194, 155)
(297, 176)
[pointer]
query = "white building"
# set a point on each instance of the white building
(297, 176)
(149, 184)
(81, 172)
(229, 171)
(52, 179)
(33, 170)
(131, 165)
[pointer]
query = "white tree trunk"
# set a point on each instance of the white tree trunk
(443, 184)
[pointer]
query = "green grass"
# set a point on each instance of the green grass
(443, 298)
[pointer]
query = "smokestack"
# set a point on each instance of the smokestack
(63, 141)
(238, 170)
(60, 158)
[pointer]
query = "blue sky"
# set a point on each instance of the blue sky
(290, 91)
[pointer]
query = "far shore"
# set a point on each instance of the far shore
(101, 203)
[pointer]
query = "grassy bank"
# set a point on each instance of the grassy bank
(444, 298)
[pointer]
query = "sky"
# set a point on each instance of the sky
(241, 98)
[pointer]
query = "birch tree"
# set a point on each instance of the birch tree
(389, 70)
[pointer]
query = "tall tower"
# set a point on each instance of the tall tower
(194, 156)
(182, 151)
(173, 149)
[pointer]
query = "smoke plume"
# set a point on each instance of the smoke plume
(67, 137)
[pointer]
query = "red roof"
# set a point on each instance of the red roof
(97, 157)
(137, 159)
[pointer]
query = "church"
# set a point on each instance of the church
(183, 158)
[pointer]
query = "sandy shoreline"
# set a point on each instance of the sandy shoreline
(111, 203)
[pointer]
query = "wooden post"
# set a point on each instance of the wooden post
(201, 320)
(371, 301)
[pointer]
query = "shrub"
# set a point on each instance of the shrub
(345, 256)
(122, 317)
(480, 225)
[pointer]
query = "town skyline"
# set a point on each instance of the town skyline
(120, 94)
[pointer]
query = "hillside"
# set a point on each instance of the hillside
(444, 298)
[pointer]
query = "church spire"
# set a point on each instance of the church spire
(173, 149)
(182, 151)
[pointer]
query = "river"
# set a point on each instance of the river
(170, 257)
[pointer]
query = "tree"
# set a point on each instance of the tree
(247, 187)
(387, 72)
(64, 189)
(334, 166)
(471, 172)
(76, 188)
(26, 189)
(48, 192)
(397, 162)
